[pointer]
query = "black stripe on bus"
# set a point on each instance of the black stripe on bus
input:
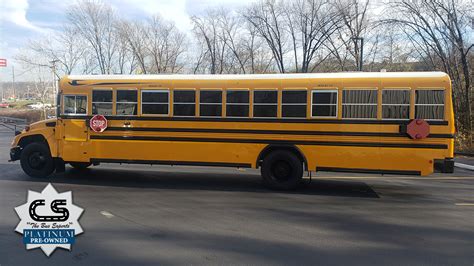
(368, 171)
(278, 142)
(256, 120)
(76, 83)
(269, 132)
(191, 163)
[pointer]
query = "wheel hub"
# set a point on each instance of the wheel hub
(281, 170)
(37, 160)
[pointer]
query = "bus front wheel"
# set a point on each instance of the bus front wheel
(79, 165)
(282, 170)
(36, 160)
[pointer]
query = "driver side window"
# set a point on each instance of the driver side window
(75, 104)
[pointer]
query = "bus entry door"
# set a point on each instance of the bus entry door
(75, 140)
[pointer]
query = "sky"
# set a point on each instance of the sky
(21, 20)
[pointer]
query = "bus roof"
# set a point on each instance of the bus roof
(262, 76)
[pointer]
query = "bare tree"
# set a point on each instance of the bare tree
(134, 35)
(166, 44)
(94, 21)
(267, 17)
(232, 34)
(126, 59)
(63, 48)
(310, 24)
(229, 44)
(394, 55)
(260, 60)
(346, 45)
(438, 30)
(207, 29)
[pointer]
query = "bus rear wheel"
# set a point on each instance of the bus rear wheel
(36, 160)
(282, 170)
(80, 165)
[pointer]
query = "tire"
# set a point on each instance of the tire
(79, 165)
(36, 160)
(282, 170)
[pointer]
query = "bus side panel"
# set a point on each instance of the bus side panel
(175, 151)
(372, 158)
(75, 151)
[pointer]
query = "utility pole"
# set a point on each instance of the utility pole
(13, 82)
(361, 57)
(3, 63)
(55, 85)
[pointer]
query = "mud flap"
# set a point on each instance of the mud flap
(60, 165)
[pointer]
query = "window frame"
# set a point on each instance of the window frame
(116, 98)
(391, 104)
(112, 102)
(294, 104)
(167, 90)
(241, 104)
(376, 104)
(426, 104)
(264, 104)
(320, 104)
(75, 104)
(212, 104)
(195, 103)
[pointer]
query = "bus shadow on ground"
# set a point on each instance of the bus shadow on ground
(212, 181)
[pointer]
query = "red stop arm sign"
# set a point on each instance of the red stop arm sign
(418, 129)
(98, 123)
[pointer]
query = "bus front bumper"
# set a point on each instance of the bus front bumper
(15, 153)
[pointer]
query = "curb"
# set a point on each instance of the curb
(468, 154)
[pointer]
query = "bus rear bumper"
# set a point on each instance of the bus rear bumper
(445, 165)
(15, 153)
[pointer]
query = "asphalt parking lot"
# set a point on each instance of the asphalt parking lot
(190, 215)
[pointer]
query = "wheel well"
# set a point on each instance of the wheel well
(292, 148)
(30, 139)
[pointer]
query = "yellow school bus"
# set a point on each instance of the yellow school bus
(285, 124)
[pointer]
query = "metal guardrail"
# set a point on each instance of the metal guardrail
(12, 120)
(12, 123)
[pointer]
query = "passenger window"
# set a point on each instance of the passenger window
(155, 102)
(237, 103)
(429, 104)
(75, 104)
(184, 103)
(396, 104)
(293, 103)
(210, 103)
(265, 103)
(126, 102)
(359, 104)
(324, 103)
(102, 102)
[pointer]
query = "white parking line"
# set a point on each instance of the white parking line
(464, 204)
(464, 166)
(107, 214)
